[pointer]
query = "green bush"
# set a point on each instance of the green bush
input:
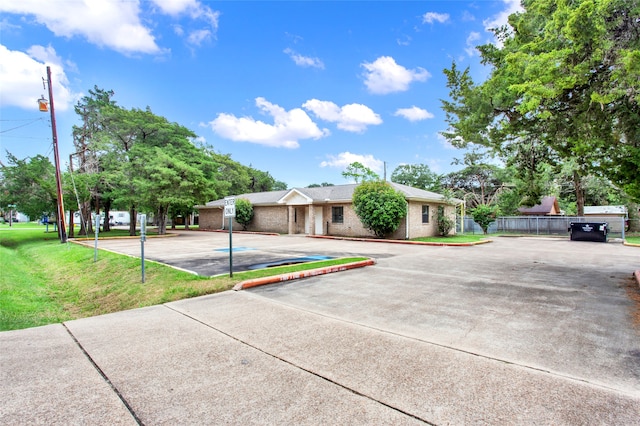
(484, 215)
(379, 207)
(244, 212)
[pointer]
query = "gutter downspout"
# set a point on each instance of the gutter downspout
(407, 222)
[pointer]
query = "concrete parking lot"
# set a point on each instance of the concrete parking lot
(518, 331)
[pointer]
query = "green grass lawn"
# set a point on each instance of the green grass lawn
(459, 238)
(44, 281)
(633, 240)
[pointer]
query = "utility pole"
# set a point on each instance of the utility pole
(62, 231)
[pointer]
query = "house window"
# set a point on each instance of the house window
(425, 214)
(337, 214)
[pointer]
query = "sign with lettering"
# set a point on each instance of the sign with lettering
(230, 207)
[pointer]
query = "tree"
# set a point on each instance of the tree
(484, 215)
(379, 206)
(320, 185)
(29, 184)
(244, 212)
(478, 182)
(565, 74)
(417, 176)
(359, 173)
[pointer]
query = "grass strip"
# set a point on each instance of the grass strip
(464, 238)
(45, 282)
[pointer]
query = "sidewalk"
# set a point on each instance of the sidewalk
(239, 358)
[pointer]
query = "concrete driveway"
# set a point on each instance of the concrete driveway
(518, 331)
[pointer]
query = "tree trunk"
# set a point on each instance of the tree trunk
(107, 208)
(86, 226)
(187, 219)
(132, 221)
(162, 220)
(577, 185)
(70, 230)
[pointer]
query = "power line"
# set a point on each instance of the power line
(22, 125)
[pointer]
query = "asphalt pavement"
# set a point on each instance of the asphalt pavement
(518, 331)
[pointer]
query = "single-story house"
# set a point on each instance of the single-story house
(547, 207)
(328, 211)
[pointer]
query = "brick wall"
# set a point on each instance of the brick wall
(275, 219)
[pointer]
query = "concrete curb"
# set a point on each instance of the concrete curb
(226, 231)
(124, 237)
(417, 243)
(302, 274)
(630, 244)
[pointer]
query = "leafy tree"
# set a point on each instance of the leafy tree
(29, 184)
(319, 185)
(89, 108)
(417, 176)
(478, 182)
(244, 212)
(484, 215)
(379, 206)
(359, 173)
(565, 75)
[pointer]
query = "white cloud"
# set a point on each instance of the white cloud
(21, 77)
(198, 12)
(471, 43)
(304, 61)
(502, 18)
(431, 17)
(287, 129)
(444, 142)
(198, 36)
(404, 41)
(342, 160)
(385, 76)
(115, 25)
(468, 16)
(351, 117)
(413, 114)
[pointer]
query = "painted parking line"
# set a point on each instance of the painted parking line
(226, 250)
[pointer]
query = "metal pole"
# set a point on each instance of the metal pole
(143, 237)
(61, 222)
(95, 249)
(230, 247)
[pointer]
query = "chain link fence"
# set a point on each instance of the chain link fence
(548, 225)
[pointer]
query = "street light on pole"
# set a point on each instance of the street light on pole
(42, 106)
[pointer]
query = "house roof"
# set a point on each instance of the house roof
(596, 210)
(545, 207)
(329, 194)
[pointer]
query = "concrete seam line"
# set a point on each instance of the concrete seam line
(105, 378)
(355, 392)
(578, 380)
(302, 274)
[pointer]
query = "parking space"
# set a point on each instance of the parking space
(518, 331)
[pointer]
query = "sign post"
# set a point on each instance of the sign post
(143, 238)
(95, 249)
(230, 212)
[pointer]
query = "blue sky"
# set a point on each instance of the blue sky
(298, 89)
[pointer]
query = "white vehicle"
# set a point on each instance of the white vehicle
(119, 218)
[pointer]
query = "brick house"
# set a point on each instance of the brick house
(327, 211)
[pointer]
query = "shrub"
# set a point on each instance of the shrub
(379, 207)
(244, 212)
